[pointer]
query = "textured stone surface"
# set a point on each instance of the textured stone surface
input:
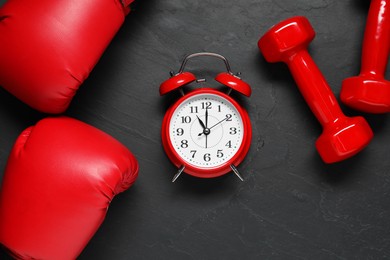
(291, 205)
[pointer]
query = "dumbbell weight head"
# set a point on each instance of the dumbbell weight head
(286, 38)
(370, 91)
(344, 139)
(366, 93)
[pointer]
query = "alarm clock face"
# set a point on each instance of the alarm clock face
(206, 130)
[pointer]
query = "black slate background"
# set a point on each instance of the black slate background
(291, 205)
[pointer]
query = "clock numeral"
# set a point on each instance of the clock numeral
(219, 153)
(185, 119)
(193, 153)
(207, 157)
(194, 110)
(229, 144)
(184, 143)
(229, 117)
(233, 131)
(179, 131)
(219, 108)
(206, 105)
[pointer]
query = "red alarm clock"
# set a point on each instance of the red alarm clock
(206, 133)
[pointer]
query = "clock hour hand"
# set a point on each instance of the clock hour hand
(205, 131)
(201, 123)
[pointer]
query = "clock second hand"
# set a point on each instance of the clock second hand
(205, 131)
(219, 122)
(214, 126)
(208, 131)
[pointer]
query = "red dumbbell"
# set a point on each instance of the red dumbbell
(370, 92)
(342, 136)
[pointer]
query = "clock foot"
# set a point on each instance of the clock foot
(181, 169)
(236, 172)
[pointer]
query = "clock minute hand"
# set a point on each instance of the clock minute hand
(206, 131)
(207, 116)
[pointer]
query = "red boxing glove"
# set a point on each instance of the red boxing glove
(59, 180)
(48, 48)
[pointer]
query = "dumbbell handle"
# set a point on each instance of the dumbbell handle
(314, 87)
(376, 41)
